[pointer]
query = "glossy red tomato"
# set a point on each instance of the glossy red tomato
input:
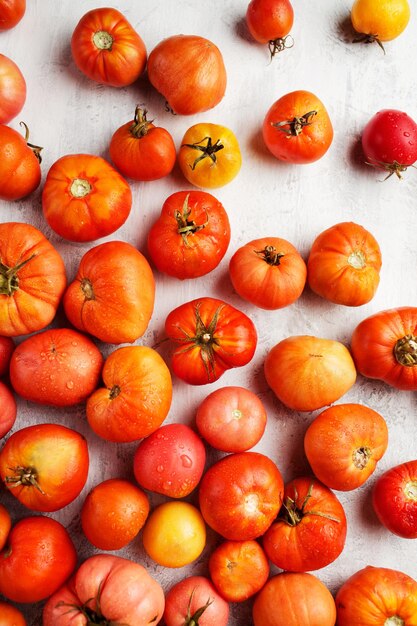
(8, 409)
(12, 89)
(11, 12)
(389, 141)
(5, 525)
(6, 350)
(270, 21)
(20, 171)
(195, 601)
(394, 498)
(191, 236)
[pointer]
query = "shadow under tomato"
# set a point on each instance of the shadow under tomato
(356, 155)
(345, 29)
(242, 31)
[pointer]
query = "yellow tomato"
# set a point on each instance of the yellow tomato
(209, 155)
(383, 20)
(174, 534)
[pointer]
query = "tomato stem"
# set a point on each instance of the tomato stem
(103, 40)
(9, 280)
(192, 620)
(361, 457)
(292, 514)
(80, 187)
(405, 350)
(209, 150)
(368, 38)
(87, 289)
(410, 490)
(296, 125)
(23, 476)
(279, 44)
(270, 255)
(392, 168)
(186, 226)
(140, 126)
(35, 149)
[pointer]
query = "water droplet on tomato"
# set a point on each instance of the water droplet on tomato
(160, 468)
(186, 461)
(406, 134)
(70, 384)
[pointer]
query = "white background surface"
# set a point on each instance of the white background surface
(67, 113)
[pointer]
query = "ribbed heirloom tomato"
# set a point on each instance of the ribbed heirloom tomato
(12, 90)
(20, 172)
(379, 20)
(270, 21)
(394, 498)
(11, 12)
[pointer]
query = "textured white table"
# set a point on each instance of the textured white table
(67, 113)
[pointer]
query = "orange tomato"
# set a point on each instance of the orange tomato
(10, 615)
(380, 20)
(270, 21)
(20, 172)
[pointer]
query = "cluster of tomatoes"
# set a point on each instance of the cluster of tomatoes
(298, 527)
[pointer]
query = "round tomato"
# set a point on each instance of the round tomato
(377, 595)
(8, 409)
(5, 526)
(37, 560)
(307, 373)
(297, 128)
(85, 198)
(379, 20)
(231, 419)
(189, 72)
(174, 534)
(310, 530)
(384, 346)
(294, 599)
(389, 141)
(344, 444)
(59, 367)
(6, 350)
(394, 498)
(112, 295)
(238, 569)
(20, 171)
(195, 601)
(268, 272)
(12, 89)
(240, 495)
(45, 466)
(141, 150)
(209, 155)
(10, 615)
(32, 279)
(344, 264)
(191, 236)
(107, 49)
(136, 397)
(270, 21)
(113, 513)
(11, 12)
(107, 589)
(170, 461)
(212, 337)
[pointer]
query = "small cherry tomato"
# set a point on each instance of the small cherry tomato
(20, 172)
(8, 409)
(270, 21)
(11, 12)
(195, 601)
(379, 20)
(12, 89)
(394, 498)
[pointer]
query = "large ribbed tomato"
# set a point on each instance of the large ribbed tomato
(20, 172)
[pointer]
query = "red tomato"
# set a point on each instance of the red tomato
(59, 367)
(191, 236)
(6, 350)
(107, 49)
(270, 21)
(10, 615)
(20, 172)
(141, 150)
(240, 495)
(231, 419)
(106, 589)
(212, 337)
(389, 141)
(195, 601)
(8, 409)
(310, 530)
(297, 128)
(394, 498)
(5, 525)
(12, 89)
(170, 461)
(11, 12)
(37, 560)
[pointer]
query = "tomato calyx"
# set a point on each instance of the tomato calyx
(361, 457)
(292, 514)
(141, 124)
(392, 168)
(368, 38)
(103, 40)
(357, 259)
(114, 392)
(192, 620)
(209, 150)
(270, 255)
(186, 226)
(80, 187)
(405, 350)
(9, 279)
(296, 125)
(279, 44)
(35, 149)
(23, 477)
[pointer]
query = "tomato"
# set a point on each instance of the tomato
(45, 466)
(294, 599)
(394, 498)
(212, 337)
(189, 72)
(11, 12)
(141, 150)
(37, 560)
(5, 525)
(12, 89)
(59, 367)
(377, 595)
(389, 141)
(209, 155)
(107, 49)
(20, 171)
(379, 20)
(174, 534)
(10, 615)
(136, 397)
(8, 409)
(107, 589)
(344, 264)
(240, 495)
(270, 21)
(191, 236)
(6, 350)
(113, 513)
(297, 128)
(195, 601)
(32, 279)
(84, 198)
(344, 444)
(310, 530)
(238, 569)
(384, 346)
(112, 295)
(231, 419)
(268, 272)
(170, 461)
